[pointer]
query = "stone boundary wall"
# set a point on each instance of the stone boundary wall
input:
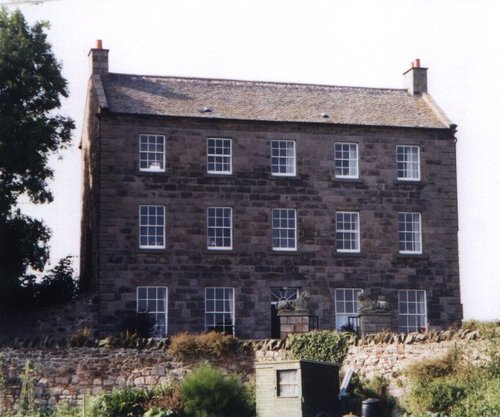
(63, 372)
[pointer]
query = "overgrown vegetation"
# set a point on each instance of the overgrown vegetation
(27, 396)
(322, 345)
(376, 387)
(456, 386)
(211, 344)
(208, 392)
(120, 403)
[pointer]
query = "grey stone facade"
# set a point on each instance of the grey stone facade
(114, 265)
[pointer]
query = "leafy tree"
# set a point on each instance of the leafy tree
(31, 87)
(56, 286)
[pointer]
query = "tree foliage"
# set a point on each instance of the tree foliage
(31, 88)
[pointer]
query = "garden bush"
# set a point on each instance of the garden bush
(323, 345)
(208, 392)
(121, 403)
(167, 400)
(454, 386)
(211, 344)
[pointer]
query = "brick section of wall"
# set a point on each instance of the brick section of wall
(186, 267)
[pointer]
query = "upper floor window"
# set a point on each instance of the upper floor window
(412, 308)
(410, 233)
(347, 233)
(152, 153)
(219, 309)
(284, 229)
(346, 308)
(283, 157)
(219, 228)
(152, 227)
(219, 156)
(346, 160)
(408, 162)
(153, 301)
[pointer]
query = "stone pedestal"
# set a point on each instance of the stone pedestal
(292, 322)
(375, 321)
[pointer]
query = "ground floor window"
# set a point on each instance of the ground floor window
(153, 301)
(346, 308)
(219, 309)
(287, 382)
(412, 307)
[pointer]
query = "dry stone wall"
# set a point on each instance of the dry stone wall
(62, 372)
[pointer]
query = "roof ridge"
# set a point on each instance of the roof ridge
(257, 82)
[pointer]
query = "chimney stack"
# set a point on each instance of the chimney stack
(416, 78)
(99, 59)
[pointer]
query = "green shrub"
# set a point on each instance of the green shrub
(454, 386)
(323, 345)
(211, 344)
(166, 399)
(208, 392)
(156, 412)
(438, 396)
(121, 403)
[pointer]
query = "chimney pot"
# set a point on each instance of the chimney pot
(99, 44)
(417, 63)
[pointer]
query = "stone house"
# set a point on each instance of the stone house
(207, 201)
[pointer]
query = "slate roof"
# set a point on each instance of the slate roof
(269, 101)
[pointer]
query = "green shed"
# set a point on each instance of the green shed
(298, 388)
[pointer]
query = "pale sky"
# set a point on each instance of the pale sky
(357, 43)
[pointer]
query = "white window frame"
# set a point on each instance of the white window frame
(219, 302)
(148, 300)
(151, 155)
(410, 232)
(283, 157)
(152, 225)
(347, 232)
(287, 383)
(346, 305)
(412, 308)
(346, 159)
(284, 225)
(408, 162)
(217, 155)
(219, 228)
